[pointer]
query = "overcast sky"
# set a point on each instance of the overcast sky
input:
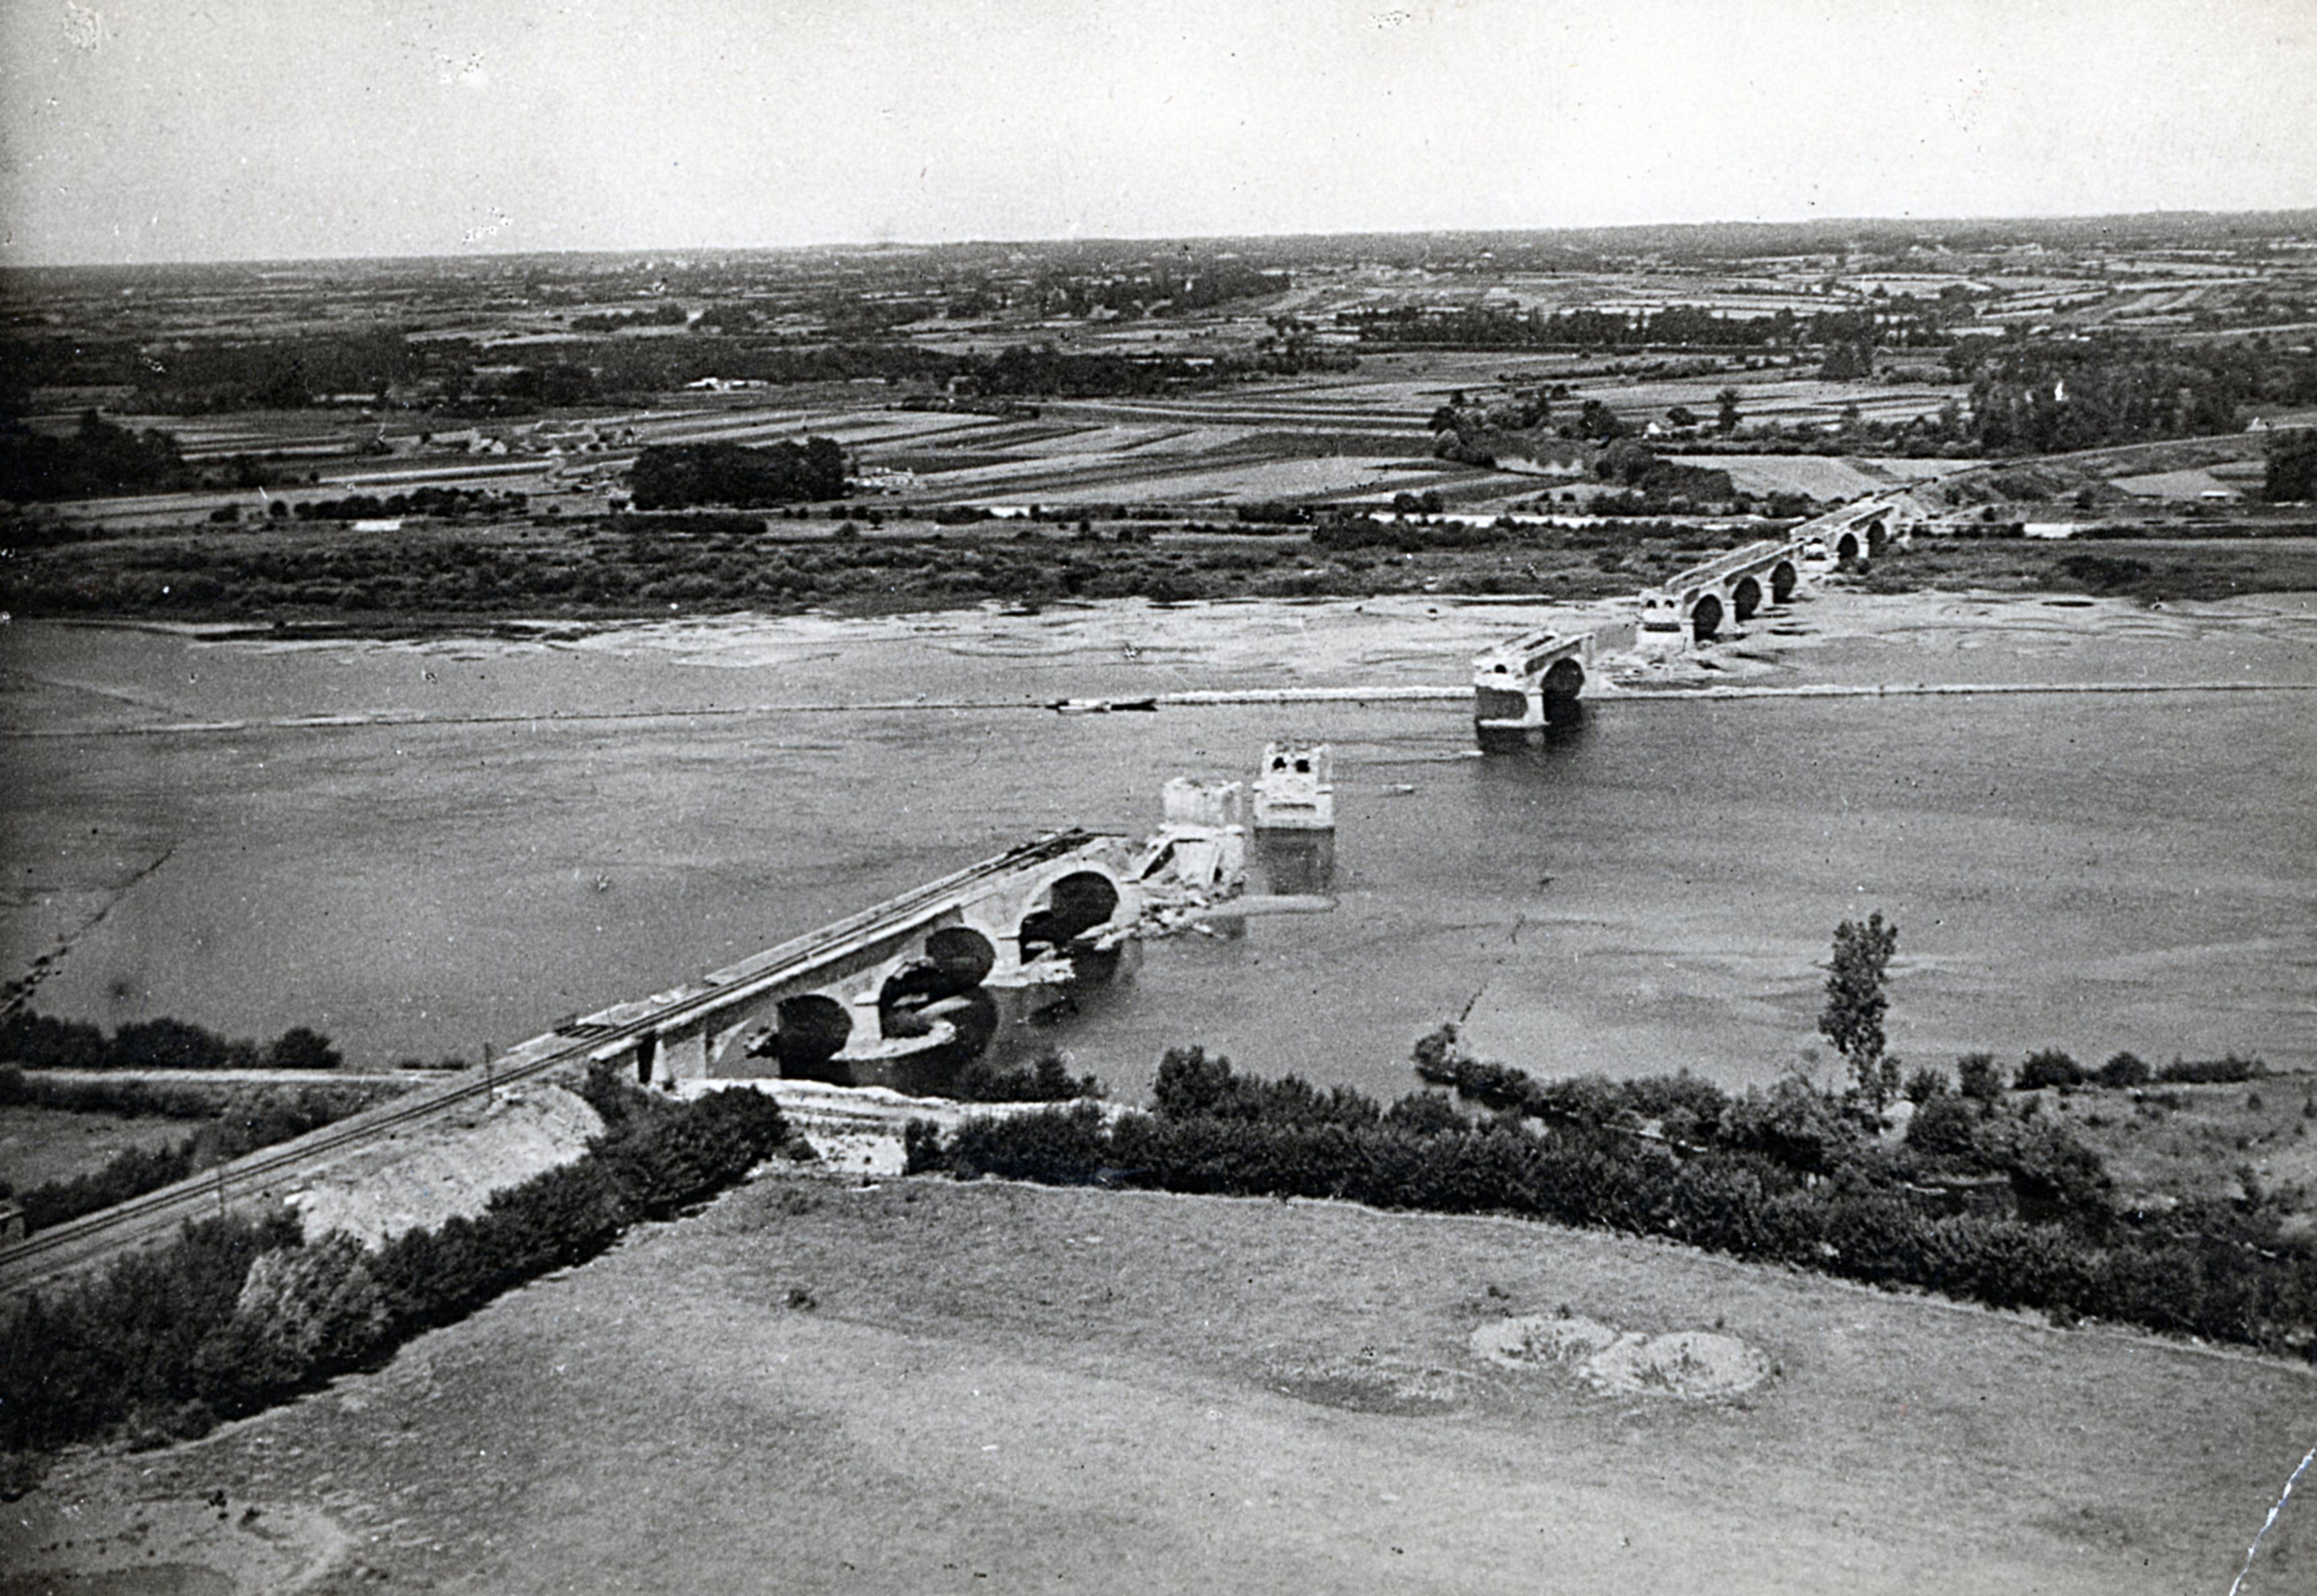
(206, 130)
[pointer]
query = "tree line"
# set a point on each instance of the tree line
(1900, 323)
(36, 1042)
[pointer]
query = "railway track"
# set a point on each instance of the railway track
(64, 1249)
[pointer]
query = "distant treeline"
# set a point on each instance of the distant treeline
(36, 1042)
(449, 502)
(1791, 1174)
(98, 458)
(457, 376)
(675, 476)
(1900, 323)
(2048, 396)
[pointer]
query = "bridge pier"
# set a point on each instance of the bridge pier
(683, 1055)
(1535, 680)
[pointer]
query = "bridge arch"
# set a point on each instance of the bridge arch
(1745, 598)
(1066, 908)
(1559, 687)
(1705, 618)
(957, 959)
(1846, 548)
(1878, 536)
(1784, 579)
(808, 1032)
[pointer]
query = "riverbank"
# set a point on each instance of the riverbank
(438, 576)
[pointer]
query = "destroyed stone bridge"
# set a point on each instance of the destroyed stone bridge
(883, 983)
(1532, 680)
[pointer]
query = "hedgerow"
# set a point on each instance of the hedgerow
(239, 1313)
(1778, 1176)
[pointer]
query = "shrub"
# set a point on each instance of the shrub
(1741, 1195)
(661, 1157)
(164, 1341)
(38, 1042)
(99, 1352)
(1425, 1113)
(1794, 1123)
(2048, 1067)
(1946, 1129)
(2123, 1069)
(298, 1049)
(1926, 1083)
(300, 1309)
(1980, 1077)
(1192, 1085)
(2211, 1072)
(1048, 1080)
(246, 1121)
(921, 1147)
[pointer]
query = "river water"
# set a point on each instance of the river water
(554, 820)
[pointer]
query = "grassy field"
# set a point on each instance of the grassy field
(38, 1145)
(925, 1387)
(2152, 569)
(2199, 1143)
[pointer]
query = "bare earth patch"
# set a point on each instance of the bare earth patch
(1695, 1365)
(420, 1177)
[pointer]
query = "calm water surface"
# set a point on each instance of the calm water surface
(1653, 890)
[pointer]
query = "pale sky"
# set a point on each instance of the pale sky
(234, 129)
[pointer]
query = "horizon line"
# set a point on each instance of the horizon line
(2307, 212)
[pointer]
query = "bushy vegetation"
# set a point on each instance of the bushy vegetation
(2291, 472)
(2048, 1067)
(2043, 397)
(238, 1313)
(1790, 1173)
(131, 1099)
(460, 376)
(449, 502)
(36, 1042)
(1046, 1079)
(98, 456)
(1902, 321)
(2226, 1070)
(672, 477)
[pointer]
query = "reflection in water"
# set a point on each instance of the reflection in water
(1295, 863)
(1564, 727)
